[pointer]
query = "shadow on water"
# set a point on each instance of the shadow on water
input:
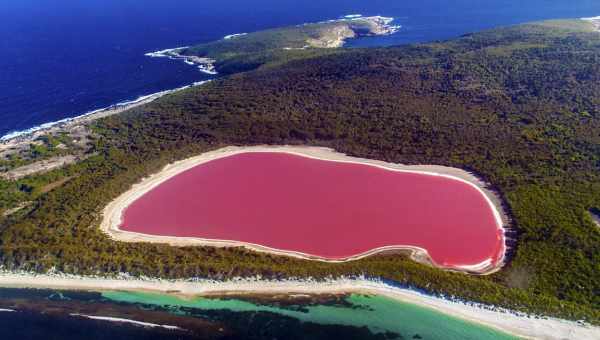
(48, 314)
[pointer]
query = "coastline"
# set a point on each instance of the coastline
(380, 25)
(15, 138)
(382, 291)
(205, 65)
(112, 213)
(595, 21)
(506, 321)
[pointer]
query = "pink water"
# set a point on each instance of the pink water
(327, 209)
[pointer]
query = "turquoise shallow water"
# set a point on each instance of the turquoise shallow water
(379, 314)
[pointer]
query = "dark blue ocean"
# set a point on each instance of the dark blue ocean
(64, 58)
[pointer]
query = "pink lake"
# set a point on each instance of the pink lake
(332, 210)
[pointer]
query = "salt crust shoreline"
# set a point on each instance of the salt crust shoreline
(518, 324)
(113, 212)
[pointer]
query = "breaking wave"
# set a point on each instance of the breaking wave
(120, 105)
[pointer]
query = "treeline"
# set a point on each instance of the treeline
(271, 46)
(518, 106)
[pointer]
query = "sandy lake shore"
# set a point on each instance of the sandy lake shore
(511, 322)
(114, 211)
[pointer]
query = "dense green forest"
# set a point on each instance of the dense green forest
(519, 106)
(280, 45)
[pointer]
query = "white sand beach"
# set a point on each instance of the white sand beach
(511, 322)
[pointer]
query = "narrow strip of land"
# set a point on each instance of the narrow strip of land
(506, 321)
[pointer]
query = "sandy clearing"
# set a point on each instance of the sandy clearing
(40, 167)
(515, 323)
(113, 212)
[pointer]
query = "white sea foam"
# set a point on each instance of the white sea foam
(529, 326)
(7, 310)
(231, 36)
(165, 52)
(594, 21)
(296, 48)
(205, 65)
(119, 105)
(385, 22)
(208, 69)
(111, 319)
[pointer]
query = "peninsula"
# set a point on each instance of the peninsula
(245, 51)
(514, 108)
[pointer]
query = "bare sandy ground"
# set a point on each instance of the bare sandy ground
(511, 322)
(112, 215)
(41, 166)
